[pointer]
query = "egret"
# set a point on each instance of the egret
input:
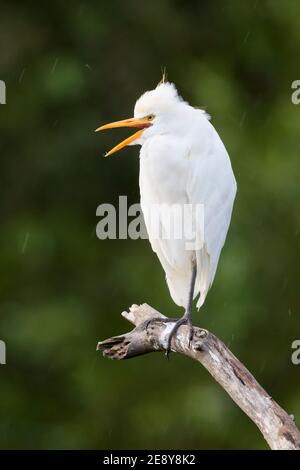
(182, 162)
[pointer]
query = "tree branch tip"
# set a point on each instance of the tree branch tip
(114, 348)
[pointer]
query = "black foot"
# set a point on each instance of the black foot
(185, 320)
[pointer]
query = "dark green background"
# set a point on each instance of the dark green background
(69, 67)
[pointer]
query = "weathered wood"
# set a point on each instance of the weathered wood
(277, 427)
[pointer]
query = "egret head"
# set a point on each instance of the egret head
(154, 113)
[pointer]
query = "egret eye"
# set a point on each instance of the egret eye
(150, 117)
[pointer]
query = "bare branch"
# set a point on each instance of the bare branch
(277, 427)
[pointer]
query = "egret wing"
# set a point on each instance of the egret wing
(211, 182)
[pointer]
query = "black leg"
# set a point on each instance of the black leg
(187, 317)
(188, 311)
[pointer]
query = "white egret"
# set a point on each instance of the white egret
(182, 162)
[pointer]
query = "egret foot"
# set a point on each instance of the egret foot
(185, 320)
(164, 320)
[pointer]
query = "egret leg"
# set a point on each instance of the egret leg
(186, 319)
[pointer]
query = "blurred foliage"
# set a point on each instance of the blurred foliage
(70, 66)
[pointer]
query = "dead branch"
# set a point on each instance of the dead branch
(277, 427)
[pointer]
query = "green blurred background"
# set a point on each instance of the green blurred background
(68, 67)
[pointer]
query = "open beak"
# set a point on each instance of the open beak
(141, 123)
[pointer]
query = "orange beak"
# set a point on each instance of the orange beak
(141, 123)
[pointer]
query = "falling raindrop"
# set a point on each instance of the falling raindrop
(22, 75)
(246, 37)
(243, 119)
(54, 65)
(25, 243)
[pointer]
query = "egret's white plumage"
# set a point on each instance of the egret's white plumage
(182, 161)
